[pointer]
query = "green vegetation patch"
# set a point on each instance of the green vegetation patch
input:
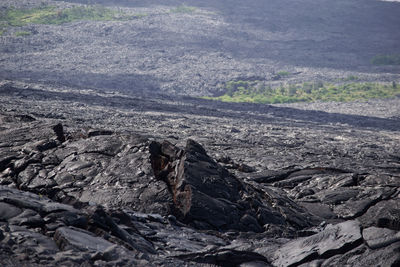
(283, 73)
(257, 92)
(280, 74)
(183, 9)
(53, 15)
(350, 78)
(393, 59)
(22, 33)
(3, 27)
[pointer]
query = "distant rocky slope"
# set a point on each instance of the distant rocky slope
(111, 180)
(193, 53)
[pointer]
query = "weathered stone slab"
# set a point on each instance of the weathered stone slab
(333, 239)
(380, 237)
(71, 237)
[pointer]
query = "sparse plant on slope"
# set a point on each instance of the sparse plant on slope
(283, 73)
(393, 59)
(350, 78)
(256, 92)
(183, 9)
(53, 15)
(22, 33)
(3, 26)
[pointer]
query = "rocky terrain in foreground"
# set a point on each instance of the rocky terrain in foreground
(90, 178)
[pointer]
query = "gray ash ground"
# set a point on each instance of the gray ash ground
(100, 167)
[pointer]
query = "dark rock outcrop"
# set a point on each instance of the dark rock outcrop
(41, 231)
(207, 196)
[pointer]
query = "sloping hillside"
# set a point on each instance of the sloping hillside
(192, 49)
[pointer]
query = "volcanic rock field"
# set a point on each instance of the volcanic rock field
(109, 158)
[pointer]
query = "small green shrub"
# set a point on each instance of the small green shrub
(3, 25)
(283, 73)
(138, 16)
(22, 33)
(350, 78)
(393, 59)
(183, 9)
(280, 74)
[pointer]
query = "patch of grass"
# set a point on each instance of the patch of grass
(22, 33)
(350, 78)
(3, 27)
(256, 92)
(283, 73)
(53, 15)
(393, 59)
(138, 15)
(183, 9)
(280, 74)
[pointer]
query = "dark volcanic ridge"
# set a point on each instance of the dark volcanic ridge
(103, 179)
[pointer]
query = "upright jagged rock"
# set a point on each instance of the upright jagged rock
(206, 196)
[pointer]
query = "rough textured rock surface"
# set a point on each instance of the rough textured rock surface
(96, 180)
(108, 176)
(334, 239)
(205, 195)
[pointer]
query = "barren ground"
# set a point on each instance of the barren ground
(107, 158)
